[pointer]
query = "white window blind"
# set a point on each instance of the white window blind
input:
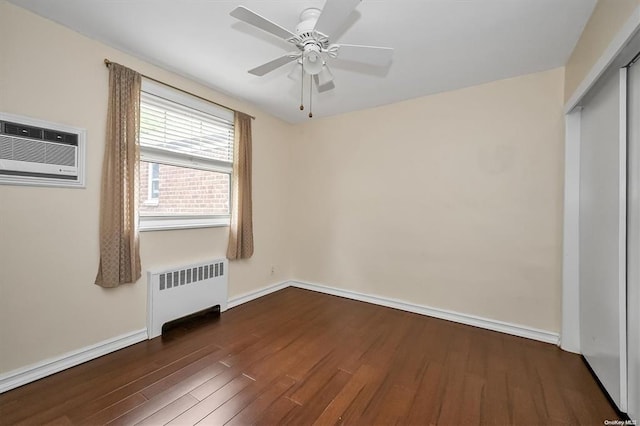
(175, 132)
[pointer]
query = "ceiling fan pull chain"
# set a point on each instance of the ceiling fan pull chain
(302, 88)
(310, 95)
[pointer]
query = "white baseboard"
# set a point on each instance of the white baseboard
(33, 372)
(486, 323)
(247, 297)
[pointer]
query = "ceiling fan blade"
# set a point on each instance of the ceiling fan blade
(372, 55)
(252, 18)
(334, 14)
(272, 65)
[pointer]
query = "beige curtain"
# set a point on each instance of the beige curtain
(119, 245)
(241, 230)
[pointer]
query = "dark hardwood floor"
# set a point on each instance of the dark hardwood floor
(303, 358)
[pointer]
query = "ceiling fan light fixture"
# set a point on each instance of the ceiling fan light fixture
(296, 71)
(312, 60)
(325, 76)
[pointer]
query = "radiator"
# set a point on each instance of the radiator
(181, 291)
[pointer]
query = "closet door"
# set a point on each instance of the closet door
(633, 242)
(603, 234)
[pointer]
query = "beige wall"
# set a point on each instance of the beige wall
(48, 236)
(452, 201)
(607, 19)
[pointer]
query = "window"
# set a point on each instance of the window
(186, 160)
(153, 183)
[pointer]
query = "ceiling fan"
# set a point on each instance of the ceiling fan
(312, 38)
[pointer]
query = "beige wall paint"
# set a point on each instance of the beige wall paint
(452, 201)
(48, 236)
(607, 19)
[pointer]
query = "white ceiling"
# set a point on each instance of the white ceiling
(439, 45)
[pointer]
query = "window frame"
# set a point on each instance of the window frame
(151, 200)
(160, 156)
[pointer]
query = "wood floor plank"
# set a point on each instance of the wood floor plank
(170, 411)
(299, 357)
(365, 399)
(406, 366)
(579, 407)
(196, 373)
(333, 412)
(60, 421)
(411, 358)
(497, 406)
(212, 385)
(427, 400)
(114, 411)
(206, 406)
(253, 411)
(232, 407)
(524, 411)
(552, 397)
(471, 403)
(277, 411)
(307, 413)
(449, 413)
(266, 345)
(397, 402)
(317, 377)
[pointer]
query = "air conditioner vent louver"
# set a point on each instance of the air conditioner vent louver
(63, 155)
(5, 147)
(33, 152)
(25, 150)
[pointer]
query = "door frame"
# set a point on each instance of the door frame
(618, 54)
(612, 56)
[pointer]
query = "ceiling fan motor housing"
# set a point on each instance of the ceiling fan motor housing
(311, 42)
(308, 19)
(305, 30)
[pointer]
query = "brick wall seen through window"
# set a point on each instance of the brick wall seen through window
(184, 191)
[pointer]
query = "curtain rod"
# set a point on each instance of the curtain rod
(108, 62)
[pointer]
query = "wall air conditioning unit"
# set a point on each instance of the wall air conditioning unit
(35, 152)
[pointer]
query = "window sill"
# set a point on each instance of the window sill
(168, 224)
